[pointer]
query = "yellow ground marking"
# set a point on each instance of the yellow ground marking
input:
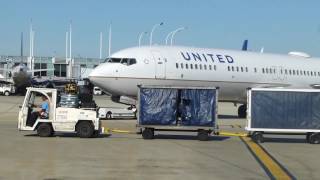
(272, 166)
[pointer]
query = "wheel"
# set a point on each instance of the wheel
(85, 129)
(148, 133)
(203, 135)
(45, 130)
(308, 136)
(314, 138)
(96, 134)
(7, 93)
(109, 115)
(257, 137)
(242, 111)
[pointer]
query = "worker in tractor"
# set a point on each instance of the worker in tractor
(43, 112)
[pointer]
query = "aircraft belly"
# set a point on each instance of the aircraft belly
(228, 91)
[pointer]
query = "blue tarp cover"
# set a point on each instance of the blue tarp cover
(197, 107)
(285, 110)
(165, 106)
(158, 106)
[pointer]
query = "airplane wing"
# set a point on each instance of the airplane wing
(40, 70)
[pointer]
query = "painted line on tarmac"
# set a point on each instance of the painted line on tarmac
(269, 164)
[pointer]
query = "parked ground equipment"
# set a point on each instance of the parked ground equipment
(177, 109)
(284, 111)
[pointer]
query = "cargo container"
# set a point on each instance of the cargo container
(164, 108)
(284, 111)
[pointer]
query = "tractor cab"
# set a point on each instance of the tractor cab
(32, 105)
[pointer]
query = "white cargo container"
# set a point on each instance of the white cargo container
(284, 111)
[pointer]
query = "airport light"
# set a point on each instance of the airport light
(167, 38)
(153, 28)
(140, 37)
(174, 33)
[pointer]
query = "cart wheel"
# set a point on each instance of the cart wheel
(148, 133)
(85, 129)
(203, 135)
(314, 138)
(308, 137)
(7, 93)
(45, 130)
(257, 137)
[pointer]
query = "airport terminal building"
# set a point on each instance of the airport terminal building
(62, 68)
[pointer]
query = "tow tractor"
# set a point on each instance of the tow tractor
(60, 119)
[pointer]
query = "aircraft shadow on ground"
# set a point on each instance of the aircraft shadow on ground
(188, 137)
(284, 140)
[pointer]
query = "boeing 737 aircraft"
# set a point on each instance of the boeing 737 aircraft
(233, 71)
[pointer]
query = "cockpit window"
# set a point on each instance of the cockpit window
(113, 60)
(128, 61)
(124, 61)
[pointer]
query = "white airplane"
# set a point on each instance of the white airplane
(231, 70)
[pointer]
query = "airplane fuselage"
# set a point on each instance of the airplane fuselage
(232, 71)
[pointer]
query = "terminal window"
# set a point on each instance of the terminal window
(38, 66)
(60, 70)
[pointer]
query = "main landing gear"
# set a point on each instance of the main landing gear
(242, 111)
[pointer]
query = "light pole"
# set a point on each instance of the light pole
(167, 38)
(140, 37)
(153, 28)
(174, 33)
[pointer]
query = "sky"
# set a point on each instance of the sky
(278, 26)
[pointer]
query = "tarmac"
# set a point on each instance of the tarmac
(24, 155)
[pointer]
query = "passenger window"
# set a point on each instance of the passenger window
(191, 66)
(267, 70)
(187, 66)
(177, 66)
(247, 69)
(255, 70)
(237, 69)
(298, 72)
(263, 70)
(289, 71)
(205, 67)
(200, 65)
(311, 73)
(228, 68)
(215, 67)
(232, 68)
(286, 71)
(181, 65)
(293, 72)
(281, 71)
(196, 66)
(241, 69)
(210, 67)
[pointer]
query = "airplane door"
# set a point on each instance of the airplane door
(160, 65)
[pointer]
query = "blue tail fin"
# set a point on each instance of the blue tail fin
(245, 45)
